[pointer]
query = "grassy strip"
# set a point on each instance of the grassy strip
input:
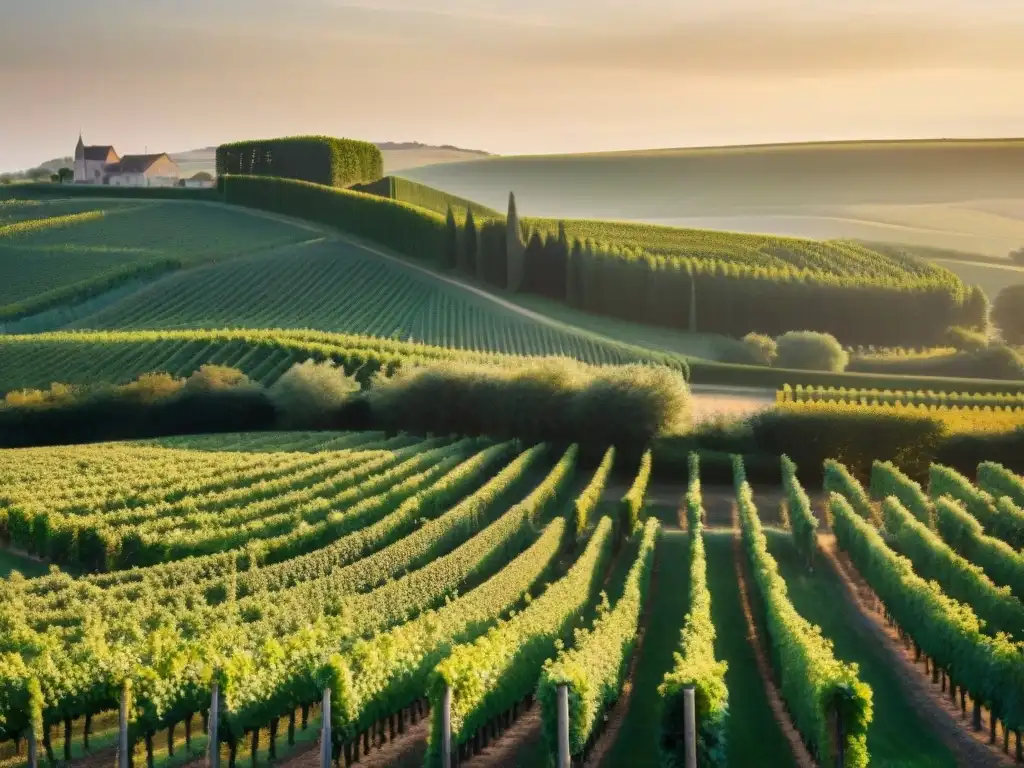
(898, 736)
(752, 734)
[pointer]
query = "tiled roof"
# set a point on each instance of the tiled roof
(99, 153)
(133, 164)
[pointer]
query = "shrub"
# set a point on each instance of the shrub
(965, 339)
(811, 351)
(317, 159)
(308, 391)
(217, 378)
(1017, 256)
(999, 362)
(550, 399)
(1008, 313)
(762, 350)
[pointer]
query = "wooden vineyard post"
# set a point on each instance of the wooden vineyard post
(33, 749)
(214, 726)
(446, 728)
(564, 758)
(325, 731)
(123, 758)
(690, 725)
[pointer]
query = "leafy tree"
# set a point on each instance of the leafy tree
(201, 176)
(515, 247)
(55, 178)
(1008, 313)
(65, 175)
(38, 174)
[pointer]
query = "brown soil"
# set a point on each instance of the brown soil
(971, 748)
(801, 754)
(404, 751)
(516, 748)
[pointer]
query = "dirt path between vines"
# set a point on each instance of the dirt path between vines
(931, 704)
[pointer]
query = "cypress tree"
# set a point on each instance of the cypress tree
(470, 245)
(515, 247)
(450, 254)
(573, 281)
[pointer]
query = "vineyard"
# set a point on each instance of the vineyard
(802, 394)
(61, 251)
(334, 286)
(958, 418)
(446, 590)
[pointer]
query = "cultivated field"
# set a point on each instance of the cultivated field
(405, 566)
(959, 194)
(70, 250)
(342, 287)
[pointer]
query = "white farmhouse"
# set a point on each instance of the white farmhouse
(102, 165)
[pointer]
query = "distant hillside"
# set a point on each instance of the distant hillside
(958, 195)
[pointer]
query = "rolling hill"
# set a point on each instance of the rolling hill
(961, 195)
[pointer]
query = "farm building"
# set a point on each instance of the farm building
(102, 165)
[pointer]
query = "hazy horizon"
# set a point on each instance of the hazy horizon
(544, 77)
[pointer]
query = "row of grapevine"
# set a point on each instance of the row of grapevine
(390, 671)
(935, 561)
(799, 512)
(972, 400)
(957, 420)
(695, 663)
(632, 503)
(595, 667)
(498, 670)
(998, 481)
(587, 502)
(887, 480)
(829, 704)
(1001, 562)
(839, 480)
(1000, 517)
(991, 669)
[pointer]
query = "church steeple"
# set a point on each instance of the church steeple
(80, 148)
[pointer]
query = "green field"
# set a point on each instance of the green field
(48, 266)
(36, 361)
(338, 286)
(963, 195)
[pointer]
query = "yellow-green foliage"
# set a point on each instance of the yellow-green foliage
(589, 499)
(859, 396)
(695, 662)
(595, 667)
(813, 682)
(490, 675)
(991, 669)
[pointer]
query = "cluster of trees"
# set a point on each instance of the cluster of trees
(710, 294)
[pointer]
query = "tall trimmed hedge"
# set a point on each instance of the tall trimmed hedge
(316, 159)
(404, 228)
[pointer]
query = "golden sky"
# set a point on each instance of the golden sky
(531, 76)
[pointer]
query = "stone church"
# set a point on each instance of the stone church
(102, 165)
